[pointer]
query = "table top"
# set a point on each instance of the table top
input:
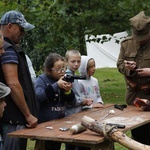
(131, 117)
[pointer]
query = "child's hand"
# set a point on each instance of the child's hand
(87, 101)
(97, 105)
(64, 85)
(68, 86)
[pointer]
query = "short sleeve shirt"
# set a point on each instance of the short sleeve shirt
(9, 56)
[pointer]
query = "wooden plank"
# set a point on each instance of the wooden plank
(131, 116)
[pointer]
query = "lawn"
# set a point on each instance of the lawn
(112, 89)
(112, 85)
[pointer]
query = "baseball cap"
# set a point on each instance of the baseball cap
(4, 90)
(140, 26)
(16, 17)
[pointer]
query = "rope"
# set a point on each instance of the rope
(106, 132)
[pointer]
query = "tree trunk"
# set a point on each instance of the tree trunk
(112, 133)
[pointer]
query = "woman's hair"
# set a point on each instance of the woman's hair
(50, 60)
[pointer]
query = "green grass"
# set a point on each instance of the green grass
(112, 89)
(112, 85)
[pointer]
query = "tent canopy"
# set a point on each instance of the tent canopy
(105, 54)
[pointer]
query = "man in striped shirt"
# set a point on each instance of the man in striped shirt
(21, 110)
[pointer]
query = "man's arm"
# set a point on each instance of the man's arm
(11, 76)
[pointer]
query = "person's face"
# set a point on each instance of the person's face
(16, 33)
(74, 62)
(1, 46)
(91, 68)
(58, 70)
(2, 107)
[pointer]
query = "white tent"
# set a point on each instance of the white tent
(105, 54)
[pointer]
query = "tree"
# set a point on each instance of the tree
(63, 24)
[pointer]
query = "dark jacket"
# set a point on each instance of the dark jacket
(52, 99)
(132, 51)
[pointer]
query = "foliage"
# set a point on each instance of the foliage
(63, 24)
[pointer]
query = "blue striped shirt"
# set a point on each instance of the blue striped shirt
(9, 56)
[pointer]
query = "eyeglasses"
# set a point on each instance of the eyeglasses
(60, 70)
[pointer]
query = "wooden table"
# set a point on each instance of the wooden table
(131, 117)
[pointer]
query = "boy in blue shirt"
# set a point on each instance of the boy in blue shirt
(73, 58)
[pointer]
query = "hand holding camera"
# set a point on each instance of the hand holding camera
(131, 65)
